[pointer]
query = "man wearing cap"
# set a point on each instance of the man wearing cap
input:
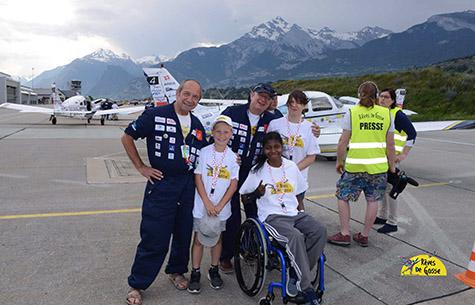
(250, 123)
(174, 139)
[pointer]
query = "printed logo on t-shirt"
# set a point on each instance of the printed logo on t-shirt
(298, 142)
(223, 172)
(282, 188)
(253, 130)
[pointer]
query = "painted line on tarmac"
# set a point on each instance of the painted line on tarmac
(86, 213)
(446, 141)
(325, 196)
(62, 214)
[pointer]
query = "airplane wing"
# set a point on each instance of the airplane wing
(27, 108)
(124, 111)
(443, 125)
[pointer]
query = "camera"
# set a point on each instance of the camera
(399, 181)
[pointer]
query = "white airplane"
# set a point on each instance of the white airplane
(323, 109)
(74, 107)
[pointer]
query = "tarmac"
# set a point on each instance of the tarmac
(70, 214)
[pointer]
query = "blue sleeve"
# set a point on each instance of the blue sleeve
(403, 123)
(143, 126)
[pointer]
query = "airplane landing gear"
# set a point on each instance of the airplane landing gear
(53, 120)
(89, 121)
(103, 119)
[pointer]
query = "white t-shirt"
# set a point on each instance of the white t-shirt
(254, 120)
(269, 203)
(305, 143)
(229, 171)
(185, 123)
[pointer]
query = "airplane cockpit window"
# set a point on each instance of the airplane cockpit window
(320, 104)
(338, 103)
(283, 109)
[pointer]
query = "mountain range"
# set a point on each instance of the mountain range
(277, 50)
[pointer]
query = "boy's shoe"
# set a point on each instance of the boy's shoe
(214, 278)
(360, 239)
(311, 297)
(194, 285)
(339, 239)
(380, 221)
(387, 228)
(226, 266)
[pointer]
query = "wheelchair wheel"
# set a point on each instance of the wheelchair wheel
(316, 281)
(250, 257)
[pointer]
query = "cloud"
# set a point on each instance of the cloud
(45, 34)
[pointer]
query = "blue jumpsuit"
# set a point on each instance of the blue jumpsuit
(168, 203)
(248, 151)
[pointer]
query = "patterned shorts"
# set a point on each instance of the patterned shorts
(350, 185)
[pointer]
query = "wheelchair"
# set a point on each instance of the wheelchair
(256, 254)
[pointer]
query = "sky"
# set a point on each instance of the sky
(40, 35)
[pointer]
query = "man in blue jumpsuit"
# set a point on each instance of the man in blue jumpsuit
(174, 139)
(250, 122)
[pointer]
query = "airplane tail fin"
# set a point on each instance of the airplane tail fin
(55, 98)
(163, 85)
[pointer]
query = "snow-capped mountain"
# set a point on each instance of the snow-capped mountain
(103, 73)
(148, 61)
(278, 50)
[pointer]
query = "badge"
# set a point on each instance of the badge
(158, 138)
(199, 135)
(158, 154)
(171, 156)
(159, 119)
(242, 133)
(240, 151)
(260, 129)
(171, 148)
(157, 145)
(159, 127)
(165, 136)
(171, 129)
(171, 121)
(185, 151)
(243, 127)
(193, 150)
(172, 140)
(235, 131)
(243, 140)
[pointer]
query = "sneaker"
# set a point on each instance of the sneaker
(380, 221)
(194, 285)
(360, 239)
(214, 278)
(226, 266)
(339, 239)
(387, 228)
(292, 290)
(311, 297)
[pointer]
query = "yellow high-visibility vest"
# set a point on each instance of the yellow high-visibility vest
(367, 148)
(399, 137)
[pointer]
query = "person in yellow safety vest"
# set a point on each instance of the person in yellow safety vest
(404, 139)
(368, 133)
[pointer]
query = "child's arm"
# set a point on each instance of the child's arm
(212, 211)
(306, 162)
(228, 195)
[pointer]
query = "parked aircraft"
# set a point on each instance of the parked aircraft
(77, 107)
(323, 109)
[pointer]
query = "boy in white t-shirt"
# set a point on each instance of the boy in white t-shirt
(216, 179)
(300, 145)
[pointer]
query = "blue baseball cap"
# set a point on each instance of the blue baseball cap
(265, 88)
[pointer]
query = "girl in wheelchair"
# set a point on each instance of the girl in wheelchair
(275, 182)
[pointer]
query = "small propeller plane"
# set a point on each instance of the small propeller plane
(78, 107)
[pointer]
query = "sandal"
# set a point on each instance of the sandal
(179, 281)
(134, 297)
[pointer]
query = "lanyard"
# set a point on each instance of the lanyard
(292, 138)
(216, 169)
(283, 179)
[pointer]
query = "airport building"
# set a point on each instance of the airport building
(10, 89)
